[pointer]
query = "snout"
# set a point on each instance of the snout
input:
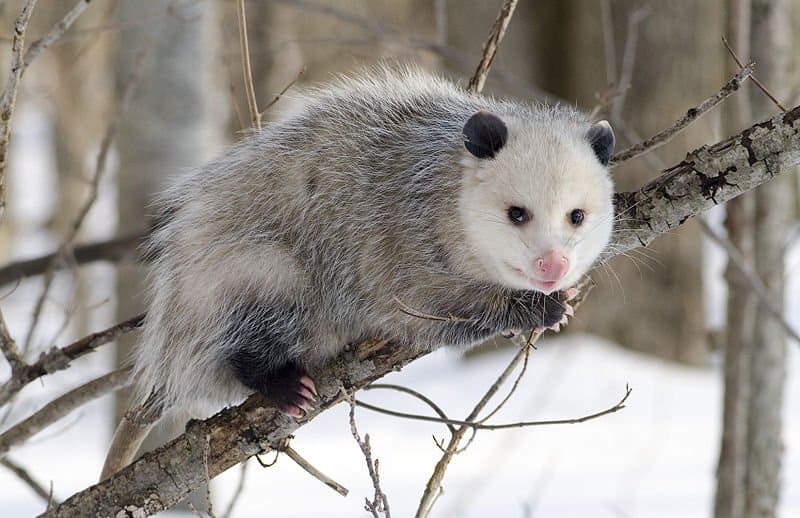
(552, 266)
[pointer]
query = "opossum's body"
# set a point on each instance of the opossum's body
(393, 191)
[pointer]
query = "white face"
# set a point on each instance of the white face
(537, 216)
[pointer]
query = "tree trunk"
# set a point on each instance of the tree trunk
(169, 126)
(741, 309)
(770, 40)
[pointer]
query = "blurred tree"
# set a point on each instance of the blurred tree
(741, 307)
(171, 124)
(771, 46)
(78, 83)
(657, 294)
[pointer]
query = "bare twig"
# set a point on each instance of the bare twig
(314, 472)
(753, 77)
(238, 492)
(428, 401)
(9, 348)
(9, 98)
(628, 59)
(94, 186)
(285, 89)
(23, 474)
(7, 104)
(59, 358)
(533, 336)
(490, 47)
(255, 115)
(60, 407)
(609, 51)
(55, 33)
(435, 481)
(408, 310)
(738, 261)
(379, 503)
(480, 425)
(664, 136)
(115, 249)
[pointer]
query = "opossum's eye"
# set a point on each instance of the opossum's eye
(485, 134)
(518, 215)
(576, 217)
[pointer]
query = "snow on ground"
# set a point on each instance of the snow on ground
(655, 458)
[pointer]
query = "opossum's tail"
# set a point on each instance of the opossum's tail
(130, 434)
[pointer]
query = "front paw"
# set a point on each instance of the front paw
(556, 309)
(535, 310)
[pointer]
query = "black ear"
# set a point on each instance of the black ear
(601, 138)
(485, 134)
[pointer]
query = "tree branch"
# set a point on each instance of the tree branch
(708, 176)
(57, 359)
(115, 249)
(61, 406)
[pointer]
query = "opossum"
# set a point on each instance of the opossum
(384, 197)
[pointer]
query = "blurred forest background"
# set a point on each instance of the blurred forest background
(89, 138)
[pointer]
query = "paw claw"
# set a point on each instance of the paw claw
(308, 383)
(571, 293)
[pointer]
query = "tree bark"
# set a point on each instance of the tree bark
(741, 311)
(770, 40)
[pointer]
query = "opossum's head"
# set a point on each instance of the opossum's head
(536, 198)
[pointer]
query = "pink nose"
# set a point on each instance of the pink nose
(552, 266)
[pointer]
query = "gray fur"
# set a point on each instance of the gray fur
(332, 220)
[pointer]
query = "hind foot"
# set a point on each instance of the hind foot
(291, 389)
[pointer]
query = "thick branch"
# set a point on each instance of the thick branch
(708, 176)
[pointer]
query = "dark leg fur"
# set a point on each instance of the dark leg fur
(518, 310)
(263, 344)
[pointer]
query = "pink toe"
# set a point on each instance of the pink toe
(305, 393)
(309, 384)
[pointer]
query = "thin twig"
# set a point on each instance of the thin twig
(238, 492)
(490, 47)
(94, 187)
(738, 261)
(408, 310)
(59, 358)
(379, 503)
(314, 472)
(479, 425)
(7, 104)
(255, 115)
(23, 474)
(753, 77)
(58, 30)
(664, 136)
(285, 89)
(8, 100)
(528, 347)
(609, 51)
(628, 59)
(61, 406)
(115, 249)
(435, 481)
(436, 408)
